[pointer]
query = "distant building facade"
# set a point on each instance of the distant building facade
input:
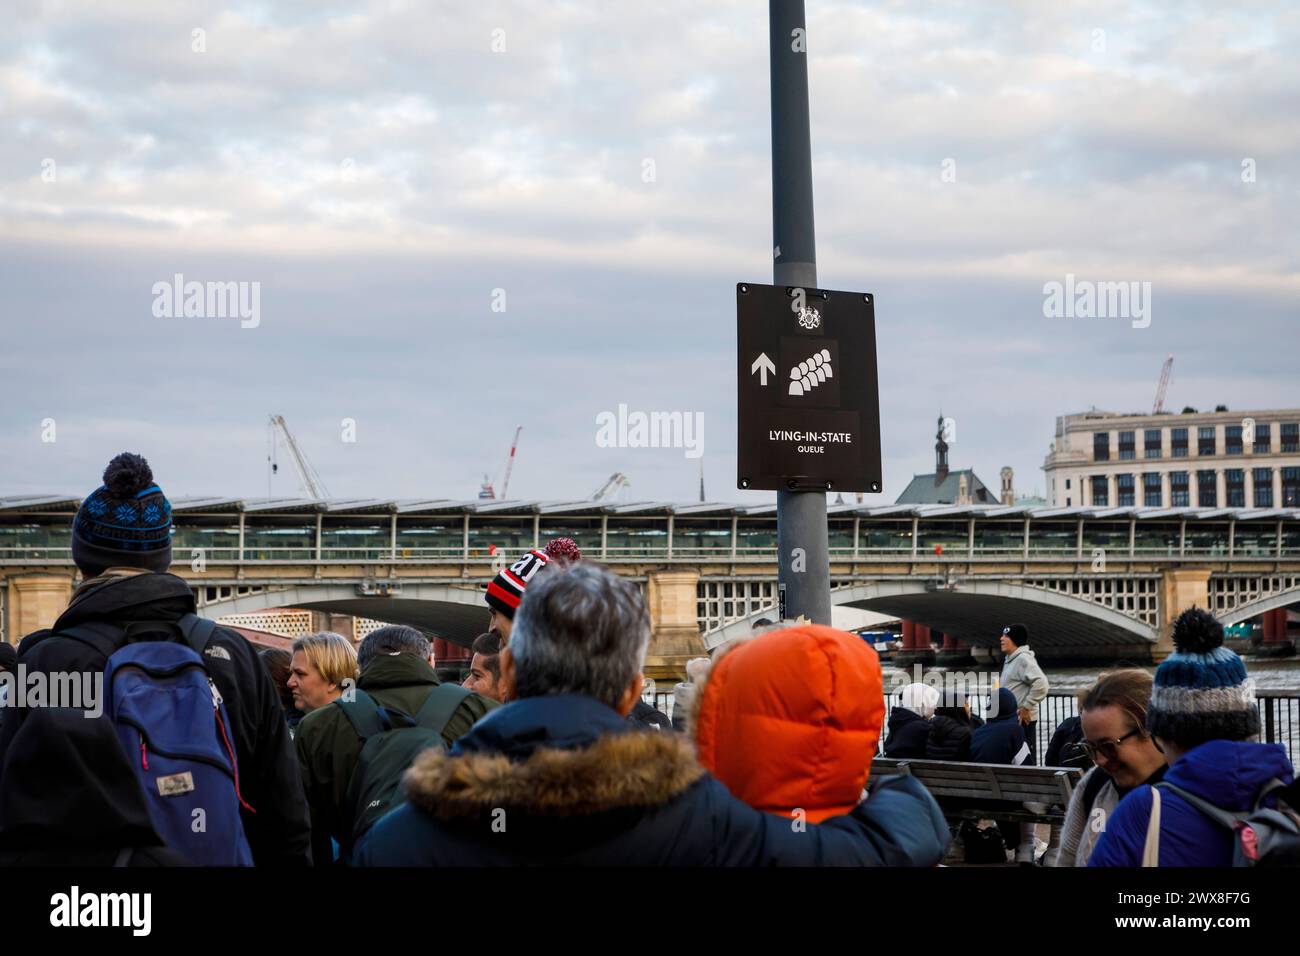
(1217, 459)
(945, 487)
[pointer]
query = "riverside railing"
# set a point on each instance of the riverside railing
(1279, 718)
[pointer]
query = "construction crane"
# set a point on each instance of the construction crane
(310, 478)
(488, 492)
(1164, 384)
(510, 462)
(617, 480)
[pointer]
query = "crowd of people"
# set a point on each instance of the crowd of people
(209, 751)
(1173, 768)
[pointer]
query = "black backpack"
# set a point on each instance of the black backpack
(982, 845)
(391, 740)
(1072, 753)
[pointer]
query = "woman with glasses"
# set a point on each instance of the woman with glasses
(1113, 714)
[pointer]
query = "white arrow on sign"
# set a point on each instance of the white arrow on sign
(762, 365)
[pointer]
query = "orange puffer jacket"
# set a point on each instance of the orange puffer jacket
(791, 719)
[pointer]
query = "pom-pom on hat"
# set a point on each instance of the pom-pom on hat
(1201, 691)
(506, 590)
(126, 522)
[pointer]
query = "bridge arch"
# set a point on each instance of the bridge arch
(975, 612)
(456, 614)
(1273, 602)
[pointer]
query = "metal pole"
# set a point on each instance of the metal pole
(801, 532)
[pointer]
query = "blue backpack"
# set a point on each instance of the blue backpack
(173, 726)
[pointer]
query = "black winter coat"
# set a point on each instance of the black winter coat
(279, 831)
(1002, 736)
(564, 780)
(908, 732)
(70, 797)
(649, 718)
(1064, 751)
(949, 739)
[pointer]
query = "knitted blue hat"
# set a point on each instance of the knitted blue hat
(126, 522)
(1201, 691)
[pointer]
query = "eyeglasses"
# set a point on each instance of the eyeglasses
(1105, 748)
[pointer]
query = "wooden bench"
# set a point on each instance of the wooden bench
(989, 790)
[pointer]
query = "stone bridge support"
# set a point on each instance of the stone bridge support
(338, 623)
(1180, 588)
(35, 601)
(673, 600)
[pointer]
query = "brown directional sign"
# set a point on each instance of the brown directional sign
(807, 393)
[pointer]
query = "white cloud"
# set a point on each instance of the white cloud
(376, 163)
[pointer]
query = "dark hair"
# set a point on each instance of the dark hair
(278, 663)
(763, 622)
(954, 713)
(489, 645)
(1128, 689)
(579, 630)
(392, 639)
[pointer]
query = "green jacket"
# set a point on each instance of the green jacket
(328, 746)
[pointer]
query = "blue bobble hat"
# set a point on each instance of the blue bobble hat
(126, 522)
(1201, 691)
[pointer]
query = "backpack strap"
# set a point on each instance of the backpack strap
(440, 705)
(197, 631)
(99, 635)
(1151, 849)
(107, 638)
(1217, 814)
(366, 716)
(1264, 791)
(32, 639)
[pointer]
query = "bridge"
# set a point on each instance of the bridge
(1091, 583)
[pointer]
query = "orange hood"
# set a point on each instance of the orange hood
(791, 719)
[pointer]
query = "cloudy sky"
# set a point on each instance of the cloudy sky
(382, 169)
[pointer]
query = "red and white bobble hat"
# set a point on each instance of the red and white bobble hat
(506, 590)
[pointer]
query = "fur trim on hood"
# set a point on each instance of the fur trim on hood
(634, 769)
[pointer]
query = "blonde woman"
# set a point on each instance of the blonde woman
(1114, 715)
(321, 665)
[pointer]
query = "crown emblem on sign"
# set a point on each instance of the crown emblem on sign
(809, 318)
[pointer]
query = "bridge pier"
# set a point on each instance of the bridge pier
(337, 623)
(673, 600)
(1180, 588)
(35, 601)
(916, 646)
(954, 653)
(1277, 643)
